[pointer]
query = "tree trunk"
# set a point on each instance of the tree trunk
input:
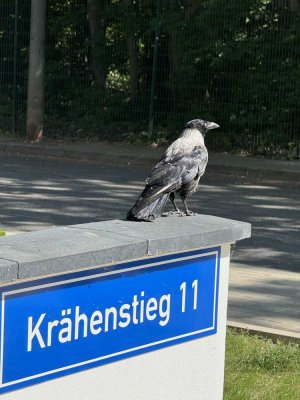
(132, 50)
(35, 95)
(98, 44)
(191, 7)
(131, 10)
(175, 48)
(294, 5)
(173, 51)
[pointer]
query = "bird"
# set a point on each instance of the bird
(178, 171)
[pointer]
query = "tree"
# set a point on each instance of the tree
(35, 97)
(132, 49)
(294, 5)
(97, 18)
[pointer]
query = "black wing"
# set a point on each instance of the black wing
(178, 169)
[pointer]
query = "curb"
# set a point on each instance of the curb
(142, 156)
(270, 333)
(61, 153)
(254, 172)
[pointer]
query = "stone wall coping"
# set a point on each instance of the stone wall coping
(65, 249)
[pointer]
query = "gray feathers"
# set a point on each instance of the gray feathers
(178, 170)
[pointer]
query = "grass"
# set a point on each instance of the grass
(260, 369)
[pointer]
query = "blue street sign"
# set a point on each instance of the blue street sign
(56, 326)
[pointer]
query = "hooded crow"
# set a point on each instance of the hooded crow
(178, 171)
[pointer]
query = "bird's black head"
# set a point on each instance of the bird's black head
(201, 125)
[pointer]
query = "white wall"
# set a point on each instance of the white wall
(192, 370)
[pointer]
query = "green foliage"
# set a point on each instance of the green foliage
(235, 62)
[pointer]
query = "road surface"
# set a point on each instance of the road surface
(37, 194)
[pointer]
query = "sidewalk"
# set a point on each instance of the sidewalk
(260, 299)
(134, 155)
(264, 300)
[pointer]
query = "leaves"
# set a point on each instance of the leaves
(236, 62)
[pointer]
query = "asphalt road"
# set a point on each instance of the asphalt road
(37, 194)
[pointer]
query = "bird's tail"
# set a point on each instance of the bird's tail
(149, 205)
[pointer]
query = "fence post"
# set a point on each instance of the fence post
(35, 95)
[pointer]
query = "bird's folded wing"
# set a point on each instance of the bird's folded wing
(175, 169)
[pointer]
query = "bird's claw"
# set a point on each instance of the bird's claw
(169, 213)
(188, 214)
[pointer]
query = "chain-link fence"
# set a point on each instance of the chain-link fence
(14, 41)
(119, 69)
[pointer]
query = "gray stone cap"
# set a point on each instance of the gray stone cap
(57, 250)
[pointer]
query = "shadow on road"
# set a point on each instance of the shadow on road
(37, 194)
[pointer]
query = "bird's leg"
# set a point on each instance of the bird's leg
(177, 211)
(172, 198)
(186, 210)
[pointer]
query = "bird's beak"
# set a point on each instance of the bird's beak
(212, 125)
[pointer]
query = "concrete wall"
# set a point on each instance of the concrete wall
(51, 251)
(186, 371)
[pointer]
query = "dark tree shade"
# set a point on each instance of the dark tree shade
(234, 62)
